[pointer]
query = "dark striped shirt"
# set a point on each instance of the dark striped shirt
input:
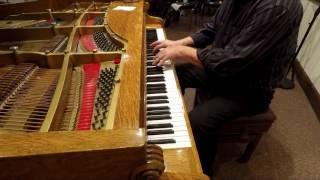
(254, 41)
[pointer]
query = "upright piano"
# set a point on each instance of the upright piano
(80, 98)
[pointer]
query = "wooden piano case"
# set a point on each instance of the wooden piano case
(118, 150)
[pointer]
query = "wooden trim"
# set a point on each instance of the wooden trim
(308, 88)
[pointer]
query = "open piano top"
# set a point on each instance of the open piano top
(80, 137)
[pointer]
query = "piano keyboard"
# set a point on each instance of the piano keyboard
(166, 124)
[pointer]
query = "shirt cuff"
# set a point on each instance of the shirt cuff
(202, 54)
(197, 39)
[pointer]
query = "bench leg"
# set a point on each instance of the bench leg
(250, 149)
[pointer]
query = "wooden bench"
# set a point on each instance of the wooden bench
(246, 129)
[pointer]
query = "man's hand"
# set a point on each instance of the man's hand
(180, 54)
(157, 45)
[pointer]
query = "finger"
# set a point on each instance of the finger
(155, 61)
(158, 57)
(162, 60)
(155, 43)
(158, 47)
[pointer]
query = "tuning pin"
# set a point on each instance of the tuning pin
(51, 20)
(14, 48)
(47, 51)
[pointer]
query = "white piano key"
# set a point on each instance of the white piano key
(172, 100)
(179, 121)
(172, 115)
(176, 105)
(160, 34)
(178, 136)
(183, 136)
(175, 128)
(175, 145)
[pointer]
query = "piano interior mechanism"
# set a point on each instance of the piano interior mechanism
(80, 98)
(95, 39)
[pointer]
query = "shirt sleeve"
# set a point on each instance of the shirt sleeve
(205, 35)
(266, 29)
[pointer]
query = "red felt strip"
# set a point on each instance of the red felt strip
(91, 75)
(88, 42)
(90, 22)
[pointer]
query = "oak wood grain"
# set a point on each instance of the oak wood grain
(130, 26)
(72, 155)
(182, 176)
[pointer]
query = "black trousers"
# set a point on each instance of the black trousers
(206, 118)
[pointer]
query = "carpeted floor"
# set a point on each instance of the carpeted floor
(290, 150)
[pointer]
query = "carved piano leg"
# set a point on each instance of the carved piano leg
(154, 166)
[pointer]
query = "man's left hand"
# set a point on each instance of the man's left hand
(181, 54)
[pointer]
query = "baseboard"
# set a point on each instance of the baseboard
(309, 89)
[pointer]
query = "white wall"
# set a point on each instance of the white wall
(309, 55)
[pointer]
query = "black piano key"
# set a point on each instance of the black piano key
(155, 79)
(155, 88)
(156, 97)
(149, 63)
(157, 101)
(158, 126)
(154, 73)
(156, 85)
(150, 58)
(159, 117)
(156, 91)
(149, 51)
(162, 141)
(165, 112)
(154, 68)
(157, 108)
(160, 132)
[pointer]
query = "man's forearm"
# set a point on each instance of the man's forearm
(188, 41)
(189, 55)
